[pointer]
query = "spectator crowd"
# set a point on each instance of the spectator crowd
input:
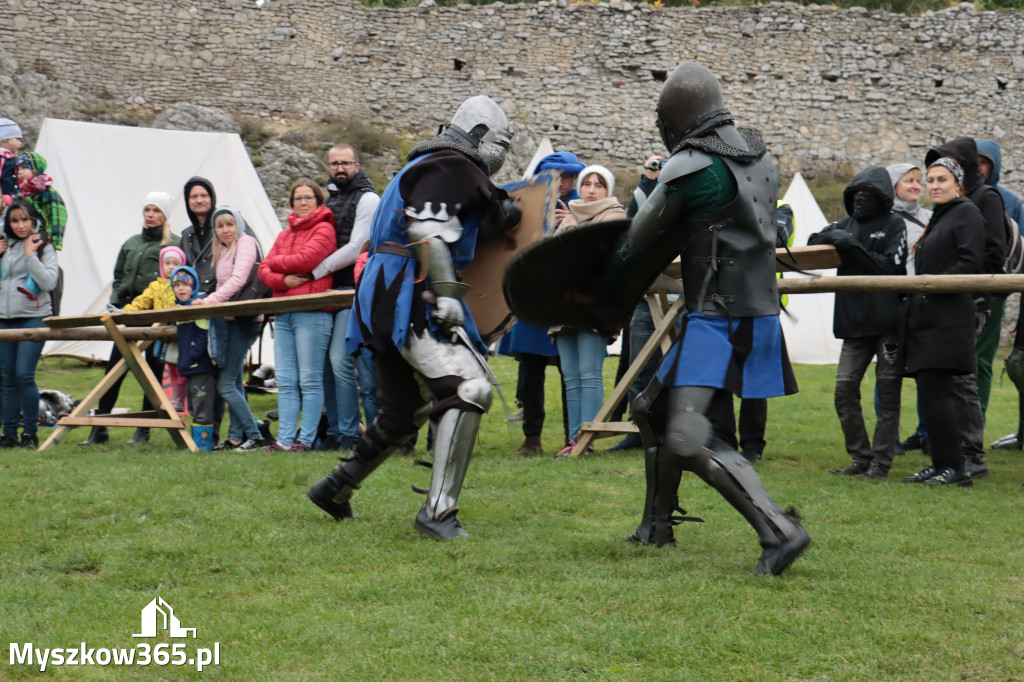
(327, 396)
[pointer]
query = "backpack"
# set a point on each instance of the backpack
(1012, 257)
(1015, 253)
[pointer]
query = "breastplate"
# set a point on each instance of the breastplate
(728, 257)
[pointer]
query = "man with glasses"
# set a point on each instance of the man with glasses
(353, 202)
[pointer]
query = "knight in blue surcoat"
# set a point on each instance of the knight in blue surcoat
(410, 311)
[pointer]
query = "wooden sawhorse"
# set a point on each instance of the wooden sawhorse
(164, 417)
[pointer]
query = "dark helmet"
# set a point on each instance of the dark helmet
(691, 104)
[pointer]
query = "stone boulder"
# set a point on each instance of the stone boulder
(282, 163)
(186, 116)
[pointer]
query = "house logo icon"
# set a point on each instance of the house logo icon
(159, 613)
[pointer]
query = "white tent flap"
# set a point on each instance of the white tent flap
(808, 326)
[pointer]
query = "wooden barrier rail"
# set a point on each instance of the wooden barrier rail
(160, 333)
(261, 306)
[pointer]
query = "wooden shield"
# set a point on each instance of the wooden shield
(536, 198)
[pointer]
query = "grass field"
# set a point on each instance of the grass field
(903, 582)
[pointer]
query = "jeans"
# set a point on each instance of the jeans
(341, 392)
(967, 406)
(239, 338)
(366, 377)
(18, 360)
(300, 346)
(582, 356)
(854, 360)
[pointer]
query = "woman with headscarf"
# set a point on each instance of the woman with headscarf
(906, 185)
(939, 339)
(582, 351)
(235, 254)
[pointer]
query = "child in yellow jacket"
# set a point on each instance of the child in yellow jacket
(159, 295)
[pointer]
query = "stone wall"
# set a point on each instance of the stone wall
(826, 86)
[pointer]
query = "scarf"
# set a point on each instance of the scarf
(34, 185)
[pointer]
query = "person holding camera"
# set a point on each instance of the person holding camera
(25, 252)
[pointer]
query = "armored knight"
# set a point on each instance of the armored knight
(716, 203)
(410, 313)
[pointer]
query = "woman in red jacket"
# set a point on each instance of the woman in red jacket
(300, 339)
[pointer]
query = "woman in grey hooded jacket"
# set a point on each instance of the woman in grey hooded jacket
(24, 252)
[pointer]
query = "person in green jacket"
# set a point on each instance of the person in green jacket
(137, 265)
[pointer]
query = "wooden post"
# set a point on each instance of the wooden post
(601, 427)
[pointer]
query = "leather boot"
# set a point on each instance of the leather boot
(333, 492)
(98, 434)
(141, 437)
(530, 446)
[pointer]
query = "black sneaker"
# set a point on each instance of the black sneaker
(250, 444)
(29, 441)
(226, 445)
(922, 475)
(976, 469)
(949, 476)
(8, 441)
(876, 472)
(855, 469)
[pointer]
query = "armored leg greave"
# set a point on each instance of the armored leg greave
(663, 472)
(728, 472)
(453, 444)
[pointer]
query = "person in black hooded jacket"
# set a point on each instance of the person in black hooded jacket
(964, 150)
(871, 240)
(197, 238)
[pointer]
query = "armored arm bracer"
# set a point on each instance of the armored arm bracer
(430, 233)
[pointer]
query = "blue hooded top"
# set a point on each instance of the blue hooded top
(1014, 207)
(193, 337)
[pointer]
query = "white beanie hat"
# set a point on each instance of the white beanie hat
(9, 129)
(600, 170)
(161, 200)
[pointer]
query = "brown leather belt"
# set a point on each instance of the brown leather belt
(394, 250)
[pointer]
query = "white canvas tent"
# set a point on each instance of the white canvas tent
(104, 173)
(809, 331)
